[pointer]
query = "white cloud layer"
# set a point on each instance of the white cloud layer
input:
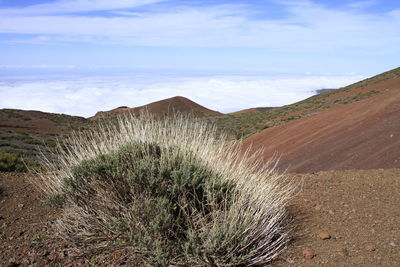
(86, 96)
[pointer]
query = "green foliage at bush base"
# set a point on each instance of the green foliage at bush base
(10, 162)
(161, 190)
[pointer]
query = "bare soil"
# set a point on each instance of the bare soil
(26, 235)
(358, 209)
(359, 135)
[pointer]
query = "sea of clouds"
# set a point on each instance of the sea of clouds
(84, 95)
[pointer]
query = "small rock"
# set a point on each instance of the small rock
(45, 253)
(61, 255)
(13, 263)
(324, 235)
(52, 256)
(345, 252)
(289, 260)
(318, 207)
(20, 206)
(74, 253)
(370, 248)
(25, 261)
(331, 212)
(392, 244)
(308, 254)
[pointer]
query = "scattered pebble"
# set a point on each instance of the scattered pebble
(52, 256)
(309, 254)
(370, 248)
(20, 206)
(345, 252)
(318, 207)
(25, 261)
(74, 253)
(324, 235)
(289, 260)
(392, 244)
(13, 263)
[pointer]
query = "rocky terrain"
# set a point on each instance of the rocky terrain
(341, 218)
(346, 218)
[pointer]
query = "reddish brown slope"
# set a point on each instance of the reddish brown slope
(37, 121)
(170, 105)
(359, 135)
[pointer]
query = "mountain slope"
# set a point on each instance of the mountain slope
(244, 124)
(163, 107)
(249, 110)
(38, 121)
(362, 134)
(22, 132)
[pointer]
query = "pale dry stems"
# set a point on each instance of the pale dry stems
(250, 229)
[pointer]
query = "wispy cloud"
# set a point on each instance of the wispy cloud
(295, 35)
(75, 6)
(307, 26)
(86, 96)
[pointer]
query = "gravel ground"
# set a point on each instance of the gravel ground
(341, 218)
(346, 218)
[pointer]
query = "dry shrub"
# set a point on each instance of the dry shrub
(171, 191)
(11, 162)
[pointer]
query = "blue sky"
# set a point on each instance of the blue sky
(340, 40)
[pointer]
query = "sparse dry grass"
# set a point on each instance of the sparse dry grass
(170, 190)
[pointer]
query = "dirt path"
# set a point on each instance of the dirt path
(358, 209)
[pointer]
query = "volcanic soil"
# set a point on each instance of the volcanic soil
(357, 209)
(360, 135)
(26, 234)
(345, 218)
